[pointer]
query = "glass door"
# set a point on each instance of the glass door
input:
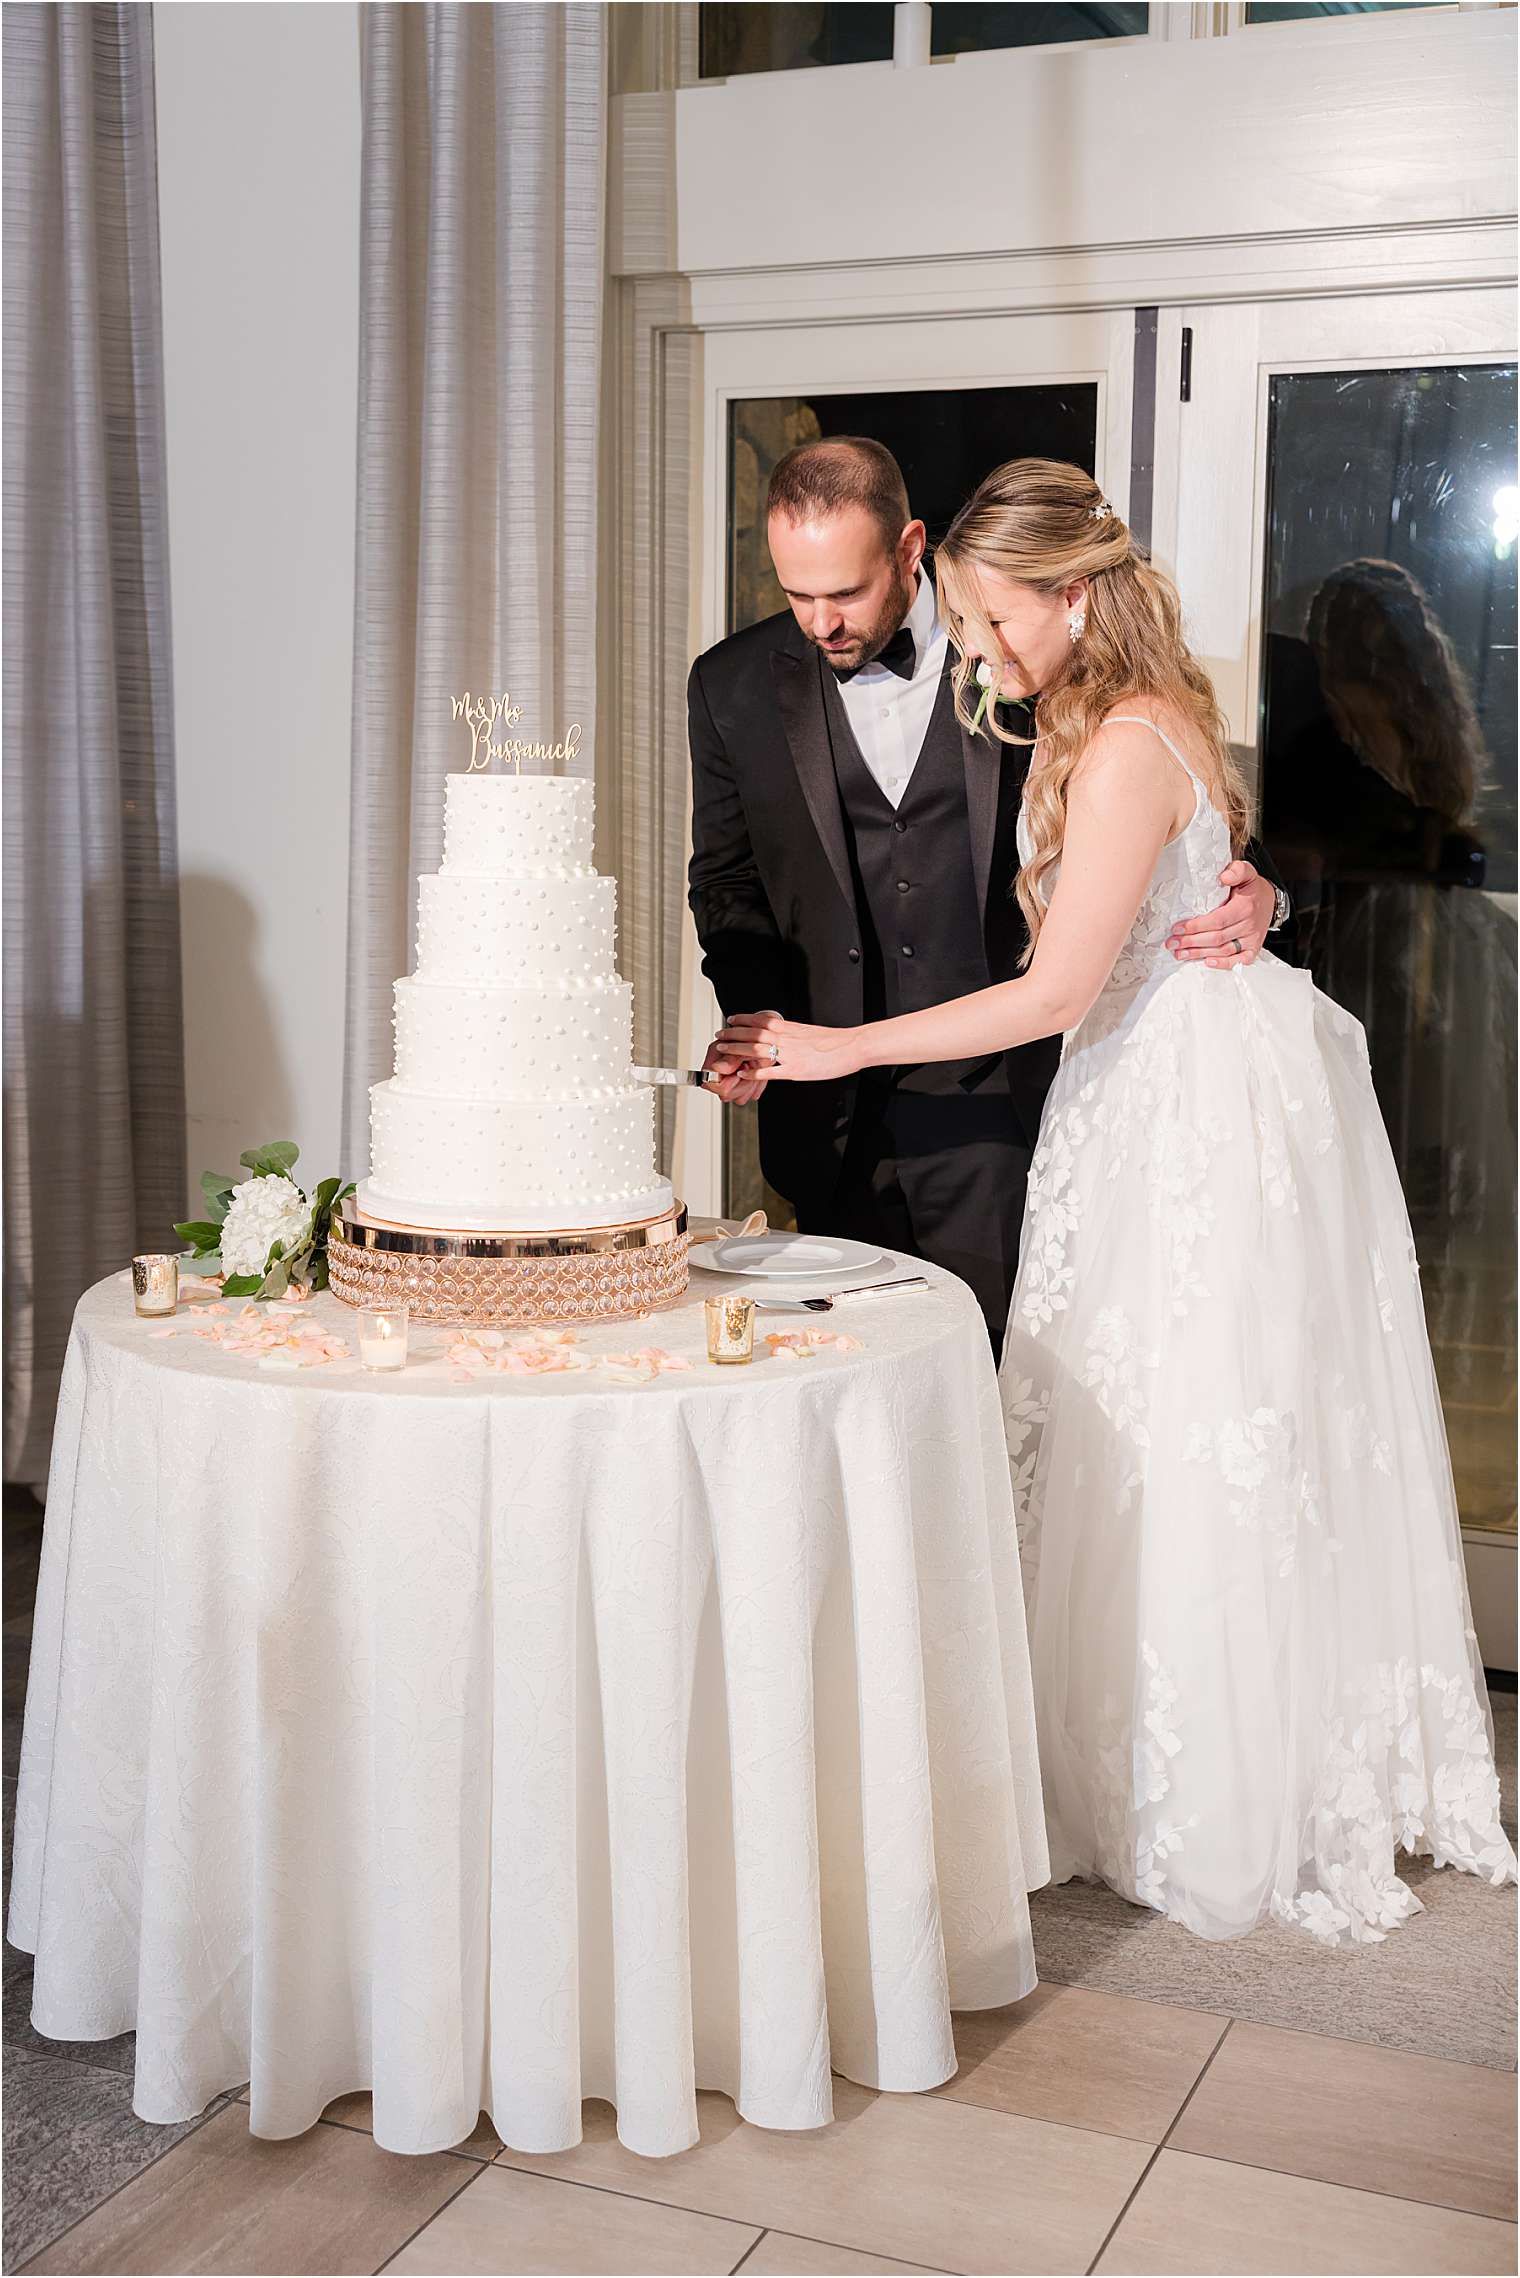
(1345, 524)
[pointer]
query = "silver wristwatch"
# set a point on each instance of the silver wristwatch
(1282, 910)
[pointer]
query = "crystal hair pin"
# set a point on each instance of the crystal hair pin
(1101, 511)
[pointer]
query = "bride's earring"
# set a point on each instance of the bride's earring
(1076, 623)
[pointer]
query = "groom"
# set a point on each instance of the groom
(853, 857)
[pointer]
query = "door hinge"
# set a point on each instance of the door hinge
(1187, 363)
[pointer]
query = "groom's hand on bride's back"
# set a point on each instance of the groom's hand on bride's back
(1244, 917)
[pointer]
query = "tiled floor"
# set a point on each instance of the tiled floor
(1086, 2130)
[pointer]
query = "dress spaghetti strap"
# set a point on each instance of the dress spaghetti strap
(1134, 720)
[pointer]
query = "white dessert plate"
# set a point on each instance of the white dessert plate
(785, 1257)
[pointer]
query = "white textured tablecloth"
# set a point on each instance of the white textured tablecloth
(495, 1745)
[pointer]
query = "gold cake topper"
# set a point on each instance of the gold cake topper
(483, 714)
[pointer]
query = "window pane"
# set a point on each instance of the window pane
(1269, 12)
(944, 440)
(959, 30)
(1389, 805)
(787, 38)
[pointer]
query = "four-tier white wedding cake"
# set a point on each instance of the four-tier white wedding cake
(513, 1103)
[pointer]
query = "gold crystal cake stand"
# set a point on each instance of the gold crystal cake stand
(506, 1280)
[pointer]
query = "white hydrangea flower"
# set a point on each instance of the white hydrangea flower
(262, 1211)
(984, 674)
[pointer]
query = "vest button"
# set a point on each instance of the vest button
(899, 826)
(854, 956)
(902, 885)
(907, 949)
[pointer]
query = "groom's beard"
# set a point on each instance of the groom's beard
(865, 647)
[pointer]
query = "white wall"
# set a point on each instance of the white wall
(1354, 124)
(258, 165)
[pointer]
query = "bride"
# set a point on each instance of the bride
(1255, 1672)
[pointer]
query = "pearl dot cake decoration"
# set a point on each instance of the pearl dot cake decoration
(512, 1102)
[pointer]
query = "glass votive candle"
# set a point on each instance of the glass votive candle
(730, 1329)
(155, 1284)
(382, 1336)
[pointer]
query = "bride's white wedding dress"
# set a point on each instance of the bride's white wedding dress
(1255, 1672)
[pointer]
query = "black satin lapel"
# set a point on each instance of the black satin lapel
(799, 693)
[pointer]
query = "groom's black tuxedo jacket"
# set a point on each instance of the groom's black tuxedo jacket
(773, 891)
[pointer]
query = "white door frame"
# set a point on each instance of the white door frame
(1211, 453)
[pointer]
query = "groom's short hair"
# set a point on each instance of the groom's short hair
(819, 479)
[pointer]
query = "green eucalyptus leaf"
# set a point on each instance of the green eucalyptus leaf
(216, 1191)
(201, 1233)
(205, 1263)
(272, 1161)
(243, 1284)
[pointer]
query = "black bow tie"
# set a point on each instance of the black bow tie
(898, 656)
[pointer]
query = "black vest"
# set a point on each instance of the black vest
(921, 931)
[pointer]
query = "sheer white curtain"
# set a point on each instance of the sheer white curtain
(480, 350)
(94, 1021)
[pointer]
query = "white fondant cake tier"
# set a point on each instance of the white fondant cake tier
(511, 1104)
(505, 930)
(471, 1042)
(589, 1159)
(496, 823)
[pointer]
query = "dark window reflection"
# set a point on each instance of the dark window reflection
(1389, 803)
(737, 39)
(957, 29)
(944, 440)
(1269, 12)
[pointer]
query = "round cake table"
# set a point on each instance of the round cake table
(497, 1735)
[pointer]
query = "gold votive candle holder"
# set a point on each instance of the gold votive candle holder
(155, 1284)
(382, 1336)
(730, 1329)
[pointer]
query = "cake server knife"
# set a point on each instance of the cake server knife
(827, 1304)
(701, 1077)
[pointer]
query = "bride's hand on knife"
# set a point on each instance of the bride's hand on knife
(791, 1050)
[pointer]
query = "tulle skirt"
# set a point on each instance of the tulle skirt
(1255, 1673)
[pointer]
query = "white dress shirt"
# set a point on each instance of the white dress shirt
(890, 715)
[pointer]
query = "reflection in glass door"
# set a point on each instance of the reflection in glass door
(1389, 800)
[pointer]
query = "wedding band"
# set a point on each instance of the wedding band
(1235, 945)
(775, 1055)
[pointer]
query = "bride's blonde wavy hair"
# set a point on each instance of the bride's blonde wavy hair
(1035, 521)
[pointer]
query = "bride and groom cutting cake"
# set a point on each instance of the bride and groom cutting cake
(974, 884)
